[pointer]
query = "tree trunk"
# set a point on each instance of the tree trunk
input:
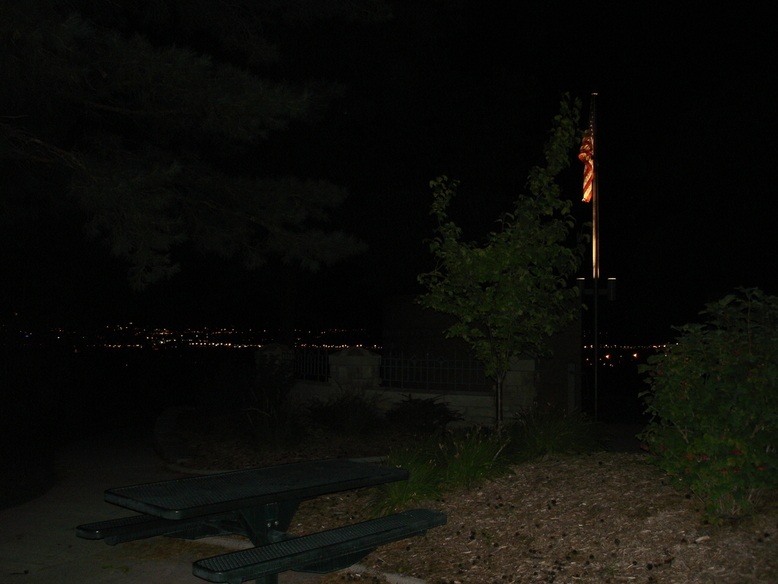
(499, 381)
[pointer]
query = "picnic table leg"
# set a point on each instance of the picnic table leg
(266, 523)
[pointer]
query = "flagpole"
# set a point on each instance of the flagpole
(595, 258)
(590, 195)
(595, 198)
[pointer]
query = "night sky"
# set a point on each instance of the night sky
(685, 144)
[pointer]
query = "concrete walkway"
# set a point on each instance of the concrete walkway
(38, 544)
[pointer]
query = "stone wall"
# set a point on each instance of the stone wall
(357, 370)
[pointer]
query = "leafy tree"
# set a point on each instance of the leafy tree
(153, 116)
(511, 292)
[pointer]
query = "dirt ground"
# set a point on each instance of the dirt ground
(598, 518)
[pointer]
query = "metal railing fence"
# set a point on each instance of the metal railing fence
(312, 364)
(401, 371)
(433, 373)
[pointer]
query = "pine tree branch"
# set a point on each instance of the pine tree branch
(22, 141)
(130, 112)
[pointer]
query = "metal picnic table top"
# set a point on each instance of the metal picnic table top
(198, 496)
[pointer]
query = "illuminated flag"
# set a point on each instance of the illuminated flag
(586, 155)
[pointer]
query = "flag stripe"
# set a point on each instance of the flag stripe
(586, 155)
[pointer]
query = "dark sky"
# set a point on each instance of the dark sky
(686, 127)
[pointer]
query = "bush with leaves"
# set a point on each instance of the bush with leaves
(273, 419)
(537, 431)
(349, 413)
(461, 458)
(422, 416)
(714, 404)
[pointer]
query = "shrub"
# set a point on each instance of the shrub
(450, 460)
(273, 381)
(714, 404)
(348, 414)
(471, 456)
(537, 431)
(273, 421)
(422, 416)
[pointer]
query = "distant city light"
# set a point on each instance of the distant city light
(132, 336)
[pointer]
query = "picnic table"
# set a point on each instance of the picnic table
(260, 503)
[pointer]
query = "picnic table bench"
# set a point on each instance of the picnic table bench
(260, 503)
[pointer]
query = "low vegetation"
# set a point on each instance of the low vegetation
(465, 458)
(715, 407)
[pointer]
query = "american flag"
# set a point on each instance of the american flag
(586, 155)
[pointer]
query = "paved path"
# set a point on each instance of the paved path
(38, 544)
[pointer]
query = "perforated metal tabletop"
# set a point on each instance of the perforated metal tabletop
(203, 495)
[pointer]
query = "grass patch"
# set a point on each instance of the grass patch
(425, 479)
(465, 458)
(473, 455)
(450, 460)
(536, 432)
